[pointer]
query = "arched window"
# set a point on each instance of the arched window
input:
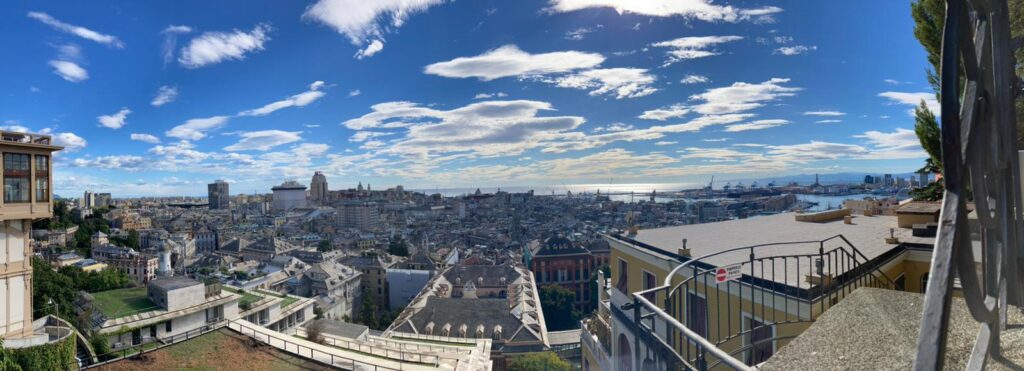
(625, 354)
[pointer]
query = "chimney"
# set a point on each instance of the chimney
(892, 239)
(685, 251)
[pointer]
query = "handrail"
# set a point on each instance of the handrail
(704, 343)
(847, 268)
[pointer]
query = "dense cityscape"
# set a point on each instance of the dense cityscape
(556, 185)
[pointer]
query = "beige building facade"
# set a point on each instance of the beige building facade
(27, 196)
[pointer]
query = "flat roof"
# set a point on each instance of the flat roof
(174, 283)
(867, 234)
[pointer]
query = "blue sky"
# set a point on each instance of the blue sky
(161, 98)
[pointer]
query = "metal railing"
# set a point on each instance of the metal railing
(701, 315)
(381, 351)
(980, 161)
(293, 346)
(149, 346)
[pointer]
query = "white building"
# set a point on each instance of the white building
(289, 195)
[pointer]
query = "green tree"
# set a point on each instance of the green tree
(368, 312)
(929, 18)
(557, 303)
(324, 245)
(398, 247)
(542, 361)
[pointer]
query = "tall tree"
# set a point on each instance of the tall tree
(542, 361)
(556, 301)
(929, 17)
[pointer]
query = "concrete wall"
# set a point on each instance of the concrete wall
(15, 279)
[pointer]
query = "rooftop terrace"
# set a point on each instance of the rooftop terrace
(123, 302)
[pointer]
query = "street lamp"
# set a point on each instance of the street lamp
(57, 308)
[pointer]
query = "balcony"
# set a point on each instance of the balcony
(701, 325)
(596, 336)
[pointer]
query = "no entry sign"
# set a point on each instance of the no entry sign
(728, 273)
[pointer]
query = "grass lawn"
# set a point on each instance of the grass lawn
(247, 297)
(123, 302)
(219, 350)
(285, 299)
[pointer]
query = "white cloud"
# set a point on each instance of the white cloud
(69, 71)
(215, 47)
(824, 113)
(115, 120)
(756, 125)
(375, 47)
(508, 61)
(913, 99)
(620, 82)
(742, 96)
(795, 49)
(297, 100)
(79, 31)
(580, 33)
(354, 93)
(362, 136)
(195, 129)
(689, 9)
(490, 95)
(263, 140)
(899, 144)
(693, 47)
(165, 94)
(831, 121)
(171, 40)
(69, 52)
(694, 79)
(666, 143)
(120, 162)
(177, 29)
(662, 114)
(147, 138)
(69, 141)
(492, 128)
(363, 20)
(614, 127)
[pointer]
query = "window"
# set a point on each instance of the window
(623, 283)
(152, 331)
(167, 326)
(42, 178)
(16, 177)
(649, 283)
(760, 338)
(924, 282)
(697, 313)
(901, 282)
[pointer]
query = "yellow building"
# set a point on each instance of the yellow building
(741, 289)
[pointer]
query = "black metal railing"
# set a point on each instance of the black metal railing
(980, 164)
(778, 286)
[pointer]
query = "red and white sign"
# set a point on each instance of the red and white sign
(728, 273)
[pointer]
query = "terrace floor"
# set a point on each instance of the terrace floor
(123, 302)
(875, 329)
(218, 350)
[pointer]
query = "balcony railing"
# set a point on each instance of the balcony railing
(698, 324)
(17, 137)
(596, 336)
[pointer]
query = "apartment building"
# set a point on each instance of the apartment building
(27, 196)
(163, 309)
(745, 286)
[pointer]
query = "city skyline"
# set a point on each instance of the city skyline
(161, 100)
